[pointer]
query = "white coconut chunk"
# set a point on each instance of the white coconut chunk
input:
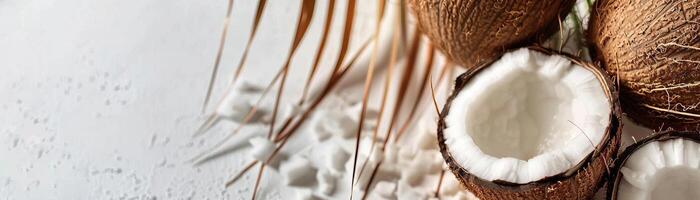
(362, 181)
(377, 155)
(423, 163)
(662, 170)
(261, 149)
(526, 117)
(236, 104)
(319, 123)
(406, 155)
(336, 159)
(413, 174)
(385, 189)
(450, 185)
(319, 134)
(233, 106)
(406, 192)
(368, 150)
(336, 123)
(430, 160)
(371, 115)
(290, 110)
(297, 171)
(391, 154)
(427, 135)
(385, 170)
(326, 182)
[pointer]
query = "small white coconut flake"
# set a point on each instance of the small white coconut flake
(297, 171)
(536, 115)
(345, 127)
(391, 154)
(334, 122)
(450, 185)
(371, 115)
(233, 106)
(377, 155)
(406, 155)
(261, 149)
(336, 159)
(368, 150)
(412, 175)
(290, 110)
(362, 181)
(662, 170)
(385, 189)
(424, 163)
(407, 192)
(319, 132)
(326, 182)
(427, 135)
(385, 170)
(430, 160)
(236, 104)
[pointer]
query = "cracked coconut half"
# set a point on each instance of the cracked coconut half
(662, 166)
(533, 124)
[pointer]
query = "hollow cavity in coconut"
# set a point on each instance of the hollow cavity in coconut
(662, 166)
(470, 32)
(532, 124)
(653, 48)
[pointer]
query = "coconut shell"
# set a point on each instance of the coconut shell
(471, 32)
(616, 176)
(580, 182)
(653, 49)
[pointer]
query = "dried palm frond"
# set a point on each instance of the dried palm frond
(282, 129)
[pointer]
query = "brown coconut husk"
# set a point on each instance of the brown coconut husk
(580, 182)
(471, 32)
(616, 176)
(653, 49)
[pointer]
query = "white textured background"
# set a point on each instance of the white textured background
(98, 98)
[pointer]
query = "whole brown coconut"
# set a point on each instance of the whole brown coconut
(470, 32)
(653, 48)
(579, 182)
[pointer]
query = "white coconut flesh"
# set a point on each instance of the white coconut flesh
(525, 117)
(667, 169)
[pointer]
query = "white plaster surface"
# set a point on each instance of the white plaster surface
(99, 98)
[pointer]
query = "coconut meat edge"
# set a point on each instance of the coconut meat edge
(667, 169)
(525, 117)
